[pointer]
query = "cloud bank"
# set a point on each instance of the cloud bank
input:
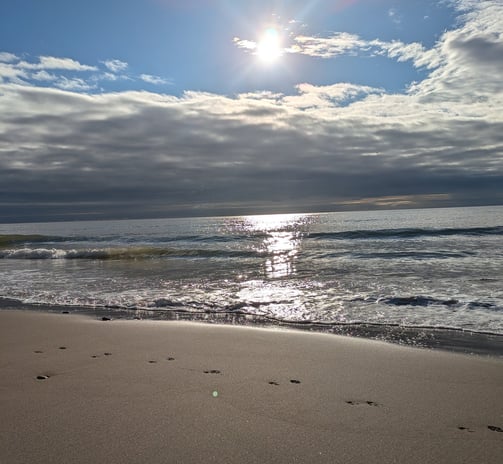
(67, 153)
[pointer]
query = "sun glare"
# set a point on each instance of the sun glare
(269, 47)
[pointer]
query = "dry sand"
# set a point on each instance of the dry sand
(177, 392)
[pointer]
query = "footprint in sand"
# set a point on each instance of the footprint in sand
(493, 428)
(62, 347)
(212, 371)
(465, 429)
(38, 351)
(295, 381)
(272, 382)
(107, 354)
(170, 359)
(363, 403)
(152, 362)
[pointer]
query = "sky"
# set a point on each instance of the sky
(158, 108)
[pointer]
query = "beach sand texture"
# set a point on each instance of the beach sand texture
(78, 390)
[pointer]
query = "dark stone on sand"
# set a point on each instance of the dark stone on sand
(65, 312)
(294, 381)
(494, 428)
(213, 371)
(104, 318)
(107, 354)
(38, 351)
(42, 377)
(272, 382)
(62, 347)
(170, 359)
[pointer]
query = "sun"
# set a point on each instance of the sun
(269, 47)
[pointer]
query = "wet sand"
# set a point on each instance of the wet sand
(78, 390)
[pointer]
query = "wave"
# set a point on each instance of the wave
(417, 300)
(122, 253)
(420, 300)
(419, 255)
(406, 233)
(15, 239)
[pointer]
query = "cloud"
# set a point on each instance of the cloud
(470, 57)
(60, 72)
(43, 76)
(246, 44)
(75, 84)
(338, 44)
(328, 96)
(343, 43)
(115, 65)
(7, 57)
(51, 62)
(395, 16)
(155, 80)
(344, 145)
(9, 73)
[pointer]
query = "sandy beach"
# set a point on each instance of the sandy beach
(74, 389)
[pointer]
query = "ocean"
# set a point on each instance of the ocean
(427, 277)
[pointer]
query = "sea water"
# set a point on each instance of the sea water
(404, 268)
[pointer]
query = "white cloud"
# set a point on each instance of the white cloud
(43, 76)
(115, 65)
(156, 80)
(327, 96)
(470, 57)
(246, 44)
(343, 43)
(74, 84)
(338, 44)
(11, 73)
(7, 57)
(51, 62)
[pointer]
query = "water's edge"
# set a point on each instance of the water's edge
(448, 339)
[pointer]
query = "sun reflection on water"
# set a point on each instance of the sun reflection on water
(280, 240)
(282, 249)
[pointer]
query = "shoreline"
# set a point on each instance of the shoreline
(438, 338)
(77, 390)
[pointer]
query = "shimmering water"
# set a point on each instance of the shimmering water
(434, 267)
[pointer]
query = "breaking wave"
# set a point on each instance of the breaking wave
(121, 253)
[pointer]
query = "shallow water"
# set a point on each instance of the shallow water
(411, 268)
